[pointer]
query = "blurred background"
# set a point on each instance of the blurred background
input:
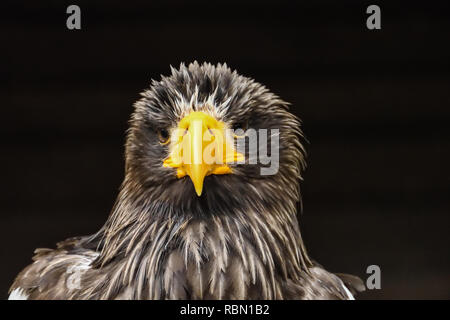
(375, 107)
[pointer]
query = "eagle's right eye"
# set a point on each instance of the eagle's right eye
(163, 136)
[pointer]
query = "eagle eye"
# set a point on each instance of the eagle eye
(240, 127)
(163, 136)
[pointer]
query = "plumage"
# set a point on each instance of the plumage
(237, 238)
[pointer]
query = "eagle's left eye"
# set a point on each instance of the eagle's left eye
(239, 128)
(163, 136)
(243, 125)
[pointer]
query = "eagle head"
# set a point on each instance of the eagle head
(206, 140)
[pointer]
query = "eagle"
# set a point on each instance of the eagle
(183, 229)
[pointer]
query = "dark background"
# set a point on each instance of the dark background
(375, 107)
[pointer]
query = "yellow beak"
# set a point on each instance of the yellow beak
(199, 147)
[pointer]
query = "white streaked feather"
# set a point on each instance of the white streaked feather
(18, 294)
(349, 294)
(77, 270)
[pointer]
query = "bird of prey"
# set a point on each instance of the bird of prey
(191, 229)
